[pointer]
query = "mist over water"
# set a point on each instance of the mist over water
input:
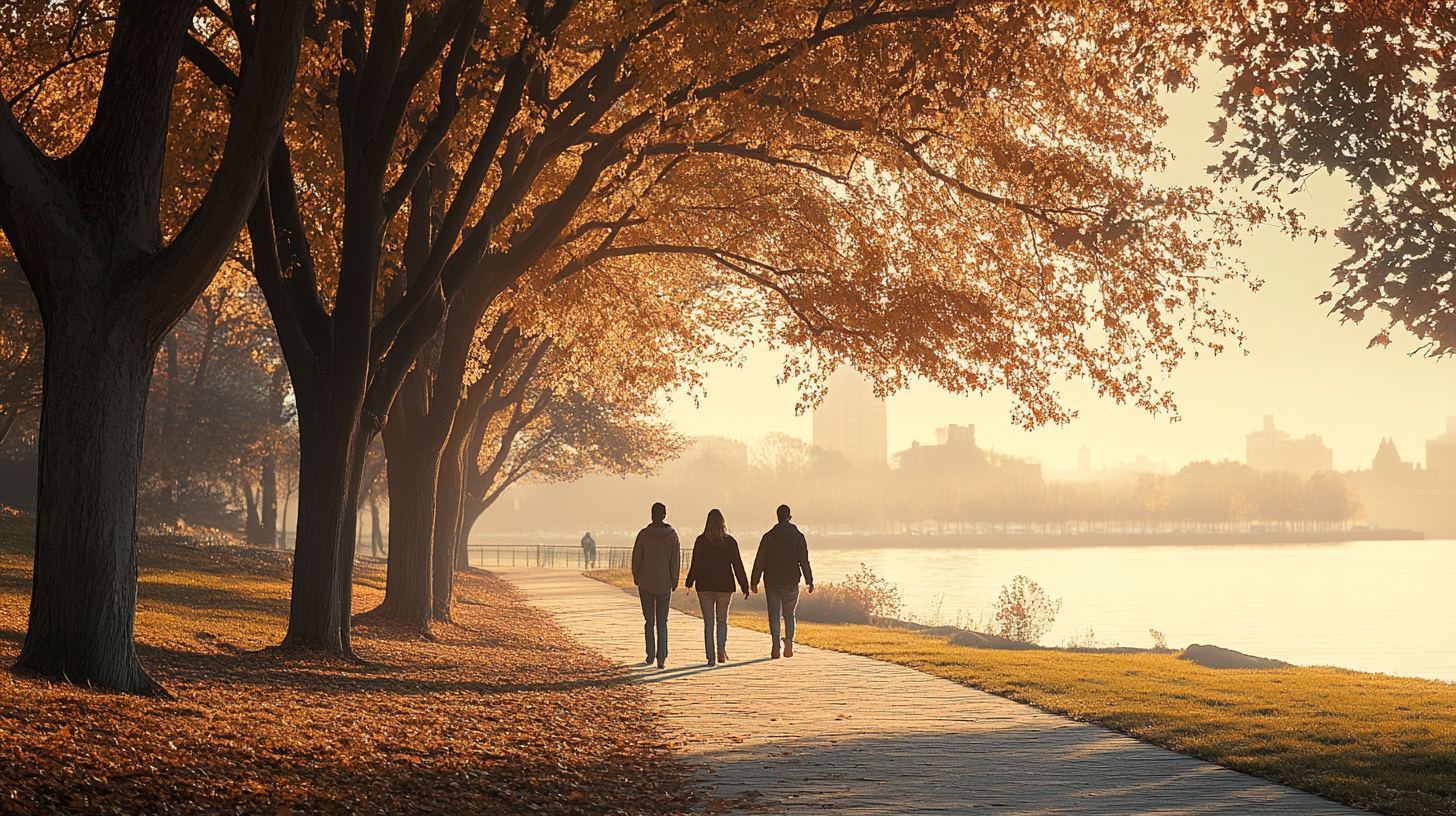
(1379, 606)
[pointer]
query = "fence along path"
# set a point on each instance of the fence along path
(826, 730)
(556, 556)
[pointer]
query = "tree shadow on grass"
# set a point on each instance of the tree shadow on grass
(393, 778)
(210, 600)
(317, 673)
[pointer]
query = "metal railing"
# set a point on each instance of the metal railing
(553, 555)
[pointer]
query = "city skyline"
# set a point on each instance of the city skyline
(1351, 395)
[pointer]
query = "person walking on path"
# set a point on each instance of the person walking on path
(716, 562)
(588, 551)
(783, 555)
(656, 565)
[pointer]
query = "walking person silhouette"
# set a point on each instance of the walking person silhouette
(716, 561)
(783, 555)
(656, 565)
(588, 551)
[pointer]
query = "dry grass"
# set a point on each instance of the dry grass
(1370, 740)
(504, 714)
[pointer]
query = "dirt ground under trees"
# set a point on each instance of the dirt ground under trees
(503, 713)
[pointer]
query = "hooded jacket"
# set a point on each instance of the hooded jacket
(782, 555)
(656, 559)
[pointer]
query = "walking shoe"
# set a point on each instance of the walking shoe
(788, 648)
(722, 656)
(774, 654)
(662, 664)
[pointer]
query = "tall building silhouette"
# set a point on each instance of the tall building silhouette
(851, 420)
(1441, 453)
(1273, 449)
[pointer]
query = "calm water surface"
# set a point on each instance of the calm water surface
(1381, 606)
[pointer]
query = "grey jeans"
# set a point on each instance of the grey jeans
(714, 605)
(654, 622)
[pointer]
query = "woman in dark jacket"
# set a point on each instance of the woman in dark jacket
(716, 563)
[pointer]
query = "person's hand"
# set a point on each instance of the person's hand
(811, 589)
(755, 590)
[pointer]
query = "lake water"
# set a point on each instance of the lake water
(1380, 606)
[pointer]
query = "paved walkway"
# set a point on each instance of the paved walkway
(826, 730)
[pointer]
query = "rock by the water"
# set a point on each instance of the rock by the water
(1216, 657)
(978, 640)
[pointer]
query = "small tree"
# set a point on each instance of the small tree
(1024, 612)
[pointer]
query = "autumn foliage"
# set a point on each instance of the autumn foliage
(504, 713)
(1362, 89)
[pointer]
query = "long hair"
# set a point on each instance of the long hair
(716, 529)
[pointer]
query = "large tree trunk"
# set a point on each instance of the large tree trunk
(449, 495)
(83, 598)
(349, 544)
(87, 231)
(413, 471)
(462, 537)
(325, 444)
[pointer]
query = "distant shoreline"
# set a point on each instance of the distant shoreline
(882, 541)
(988, 541)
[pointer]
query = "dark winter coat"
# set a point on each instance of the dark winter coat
(715, 565)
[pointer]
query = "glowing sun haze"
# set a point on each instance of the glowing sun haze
(1312, 373)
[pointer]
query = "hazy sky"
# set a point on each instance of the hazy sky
(1312, 373)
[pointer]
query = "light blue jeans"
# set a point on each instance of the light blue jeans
(781, 601)
(714, 606)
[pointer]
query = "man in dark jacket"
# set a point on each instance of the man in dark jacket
(783, 555)
(656, 564)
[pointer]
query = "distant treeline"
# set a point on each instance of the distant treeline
(946, 488)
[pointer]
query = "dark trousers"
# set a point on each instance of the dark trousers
(654, 623)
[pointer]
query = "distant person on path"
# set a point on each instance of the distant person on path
(656, 565)
(716, 562)
(783, 555)
(588, 551)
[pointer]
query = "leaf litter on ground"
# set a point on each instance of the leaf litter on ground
(502, 712)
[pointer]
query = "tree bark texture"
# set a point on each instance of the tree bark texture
(314, 620)
(413, 472)
(450, 549)
(86, 229)
(83, 597)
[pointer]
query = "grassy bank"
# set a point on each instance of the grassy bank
(1369, 740)
(503, 713)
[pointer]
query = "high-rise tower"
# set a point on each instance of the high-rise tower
(851, 420)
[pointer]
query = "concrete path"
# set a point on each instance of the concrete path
(831, 731)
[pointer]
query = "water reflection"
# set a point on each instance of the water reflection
(1384, 606)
